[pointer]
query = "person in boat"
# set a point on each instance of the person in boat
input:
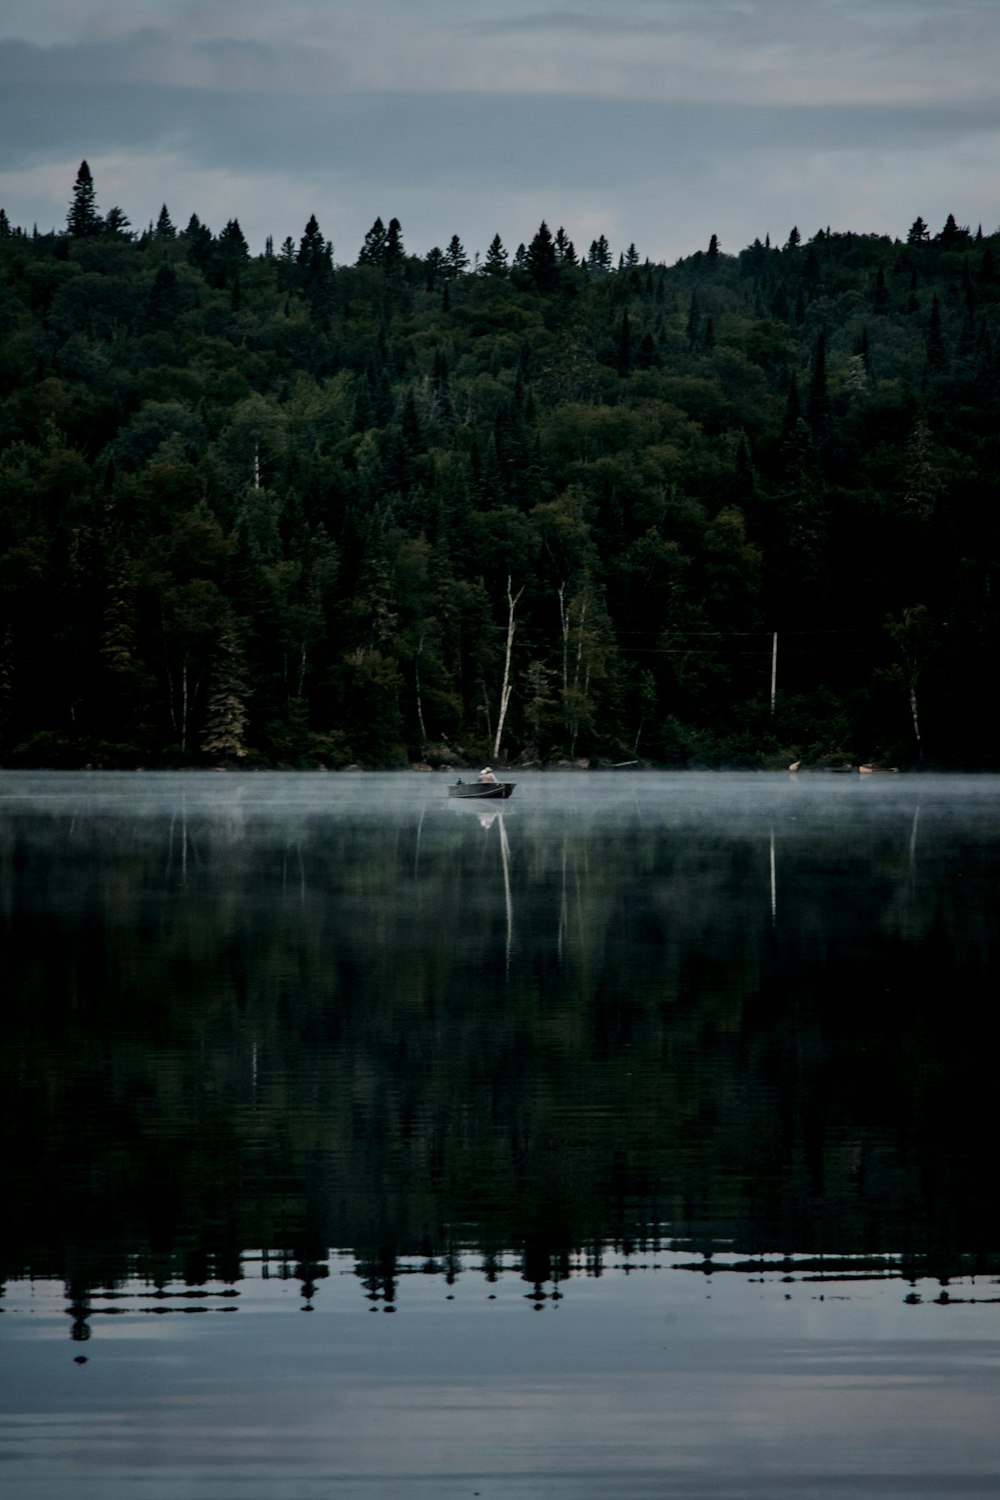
(486, 775)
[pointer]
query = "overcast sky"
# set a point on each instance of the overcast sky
(654, 121)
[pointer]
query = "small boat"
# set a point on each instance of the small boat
(482, 789)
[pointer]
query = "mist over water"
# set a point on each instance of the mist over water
(642, 1100)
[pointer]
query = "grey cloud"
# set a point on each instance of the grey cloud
(222, 113)
(154, 58)
(760, 51)
(568, 20)
(503, 138)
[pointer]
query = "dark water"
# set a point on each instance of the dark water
(660, 1112)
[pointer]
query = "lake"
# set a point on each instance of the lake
(634, 1137)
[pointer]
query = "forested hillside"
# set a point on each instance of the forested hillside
(285, 511)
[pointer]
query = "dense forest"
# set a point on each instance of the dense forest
(554, 504)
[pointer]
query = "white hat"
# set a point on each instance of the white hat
(486, 771)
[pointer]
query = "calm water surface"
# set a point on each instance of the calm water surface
(658, 1111)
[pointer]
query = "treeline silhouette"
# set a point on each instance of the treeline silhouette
(275, 509)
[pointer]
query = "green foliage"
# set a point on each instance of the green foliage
(268, 506)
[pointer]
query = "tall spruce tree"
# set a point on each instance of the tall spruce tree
(456, 262)
(372, 252)
(495, 263)
(83, 218)
(540, 261)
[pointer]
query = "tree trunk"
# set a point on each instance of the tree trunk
(420, 703)
(505, 691)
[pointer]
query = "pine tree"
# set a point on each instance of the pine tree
(456, 262)
(565, 249)
(540, 261)
(393, 254)
(372, 252)
(311, 249)
(232, 242)
(952, 235)
(117, 224)
(83, 218)
(599, 257)
(164, 226)
(227, 716)
(495, 263)
(433, 264)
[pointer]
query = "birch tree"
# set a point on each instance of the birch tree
(505, 691)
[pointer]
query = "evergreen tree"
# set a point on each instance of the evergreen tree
(919, 233)
(116, 224)
(372, 252)
(164, 226)
(952, 235)
(456, 262)
(599, 257)
(225, 733)
(564, 248)
(495, 263)
(312, 250)
(83, 218)
(394, 255)
(200, 239)
(232, 243)
(540, 261)
(433, 263)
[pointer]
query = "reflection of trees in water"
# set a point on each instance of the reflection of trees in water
(582, 1036)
